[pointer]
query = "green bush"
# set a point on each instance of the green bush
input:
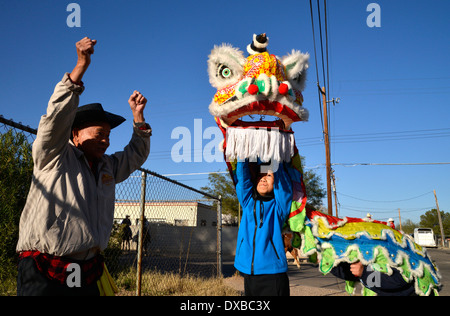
(16, 167)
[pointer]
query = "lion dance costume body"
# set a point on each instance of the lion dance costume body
(266, 85)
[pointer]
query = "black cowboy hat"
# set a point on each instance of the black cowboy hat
(94, 112)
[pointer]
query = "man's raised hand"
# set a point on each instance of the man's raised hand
(137, 104)
(85, 48)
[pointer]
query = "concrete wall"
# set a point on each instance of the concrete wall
(199, 240)
(171, 213)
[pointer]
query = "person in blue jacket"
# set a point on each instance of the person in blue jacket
(260, 257)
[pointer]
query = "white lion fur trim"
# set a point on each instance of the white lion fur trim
(296, 64)
(251, 143)
(256, 44)
(250, 50)
(229, 56)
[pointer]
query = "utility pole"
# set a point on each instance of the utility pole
(327, 152)
(334, 191)
(219, 237)
(440, 220)
(399, 219)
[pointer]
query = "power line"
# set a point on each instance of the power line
(193, 173)
(395, 201)
(378, 136)
(354, 164)
(395, 79)
(397, 132)
(341, 139)
(369, 209)
(324, 92)
(326, 46)
(383, 209)
(315, 60)
(321, 45)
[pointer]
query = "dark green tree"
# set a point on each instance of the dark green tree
(408, 226)
(16, 167)
(430, 220)
(314, 189)
(222, 184)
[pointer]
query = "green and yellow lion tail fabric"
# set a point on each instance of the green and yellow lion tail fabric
(372, 243)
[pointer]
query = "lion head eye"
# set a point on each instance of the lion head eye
(225, 65)
(224, 72)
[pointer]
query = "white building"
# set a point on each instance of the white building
(176, 213)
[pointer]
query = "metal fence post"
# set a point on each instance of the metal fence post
(141, 232)
(219, 237)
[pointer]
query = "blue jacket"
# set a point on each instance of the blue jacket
(260, 248)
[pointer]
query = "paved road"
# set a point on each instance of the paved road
(442, 259)
(308, 281)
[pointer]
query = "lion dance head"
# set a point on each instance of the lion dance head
(260, 84)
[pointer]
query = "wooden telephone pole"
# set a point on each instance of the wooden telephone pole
(440, 220)
(327, 152)
(334, 191)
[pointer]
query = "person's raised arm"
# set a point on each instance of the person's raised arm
(85, 48)
(138, 149)
(283, 188)
(244, 184)
(55, 126)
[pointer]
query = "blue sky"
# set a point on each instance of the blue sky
(393, 83)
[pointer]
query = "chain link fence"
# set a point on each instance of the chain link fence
(161, 227)
(164, 226)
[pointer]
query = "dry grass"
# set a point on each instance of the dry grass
(170, 284)
(156, 284)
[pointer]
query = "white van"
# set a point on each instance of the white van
(424, 237)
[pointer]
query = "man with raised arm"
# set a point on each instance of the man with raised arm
(68, 216)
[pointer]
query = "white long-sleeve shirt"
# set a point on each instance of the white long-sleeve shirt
(68, 212)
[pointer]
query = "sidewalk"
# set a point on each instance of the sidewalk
(306, 281)
(237, 282)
